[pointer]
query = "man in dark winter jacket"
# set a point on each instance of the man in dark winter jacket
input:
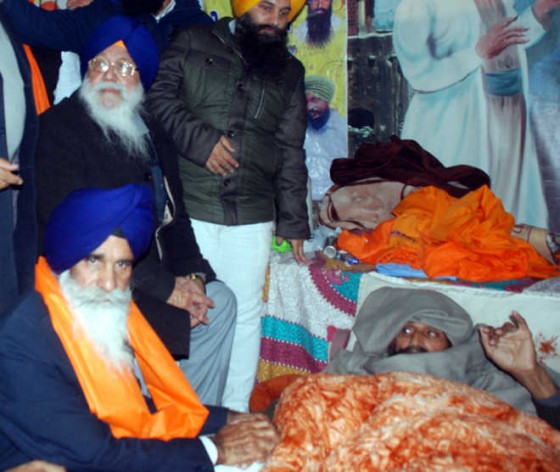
(100, 137)
(232, 98)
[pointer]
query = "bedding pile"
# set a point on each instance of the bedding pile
(403, 421)
(468, 237)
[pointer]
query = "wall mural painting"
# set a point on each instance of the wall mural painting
(486, 88)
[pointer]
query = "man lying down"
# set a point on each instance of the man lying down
(394, 322)
(385, 413)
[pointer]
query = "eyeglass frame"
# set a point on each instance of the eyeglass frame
(112, 65)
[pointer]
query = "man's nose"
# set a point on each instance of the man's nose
(110, 75)
(107, 280)
(417, 339)
(276, 18)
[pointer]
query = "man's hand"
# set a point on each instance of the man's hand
(221, 161)
(37, 466)
(246, 438)
(73, 4)
(189, 295)
(7, 176)
(297, 249)
(511, 348)
(499, 37)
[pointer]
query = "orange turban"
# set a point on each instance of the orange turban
(242, 6)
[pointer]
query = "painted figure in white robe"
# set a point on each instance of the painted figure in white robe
(466, 62)
(545, 116)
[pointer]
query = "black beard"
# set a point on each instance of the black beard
(264, 54)
(319, 27)
(141, 7)
(320, 121)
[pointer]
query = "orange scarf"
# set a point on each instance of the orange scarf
(42, 102)
(468, 237)
(115, 396)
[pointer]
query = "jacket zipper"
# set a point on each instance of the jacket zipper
(261, 101)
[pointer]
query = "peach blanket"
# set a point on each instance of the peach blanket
(401, 421)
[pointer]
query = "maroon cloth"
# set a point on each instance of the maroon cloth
(404, 160)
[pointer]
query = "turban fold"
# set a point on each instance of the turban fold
(135, 37)
(243, 6)
(87, 217)
(320, 87)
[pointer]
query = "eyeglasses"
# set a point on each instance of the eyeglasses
(122, 67)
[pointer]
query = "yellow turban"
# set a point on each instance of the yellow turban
(242, 6)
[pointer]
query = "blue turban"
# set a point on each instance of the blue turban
(135, 37)
(87, 217)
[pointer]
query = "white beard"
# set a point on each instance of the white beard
(122, 119)
(103, 318)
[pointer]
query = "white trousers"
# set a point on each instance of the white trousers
(239, 255)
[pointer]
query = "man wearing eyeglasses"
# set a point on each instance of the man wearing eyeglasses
(101, 137)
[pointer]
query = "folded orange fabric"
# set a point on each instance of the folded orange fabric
(42, 102)
(468, 237)
(114, 396)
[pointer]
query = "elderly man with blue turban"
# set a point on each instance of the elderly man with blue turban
(90, 386)
(101, 137)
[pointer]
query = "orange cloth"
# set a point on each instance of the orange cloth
(115, 396)
(468, 237)
(42, 102)
(266, 392)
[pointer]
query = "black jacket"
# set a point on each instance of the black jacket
(18, 249)
(73, 153)
(204, 90)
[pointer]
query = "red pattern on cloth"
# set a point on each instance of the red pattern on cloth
(402, 421)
